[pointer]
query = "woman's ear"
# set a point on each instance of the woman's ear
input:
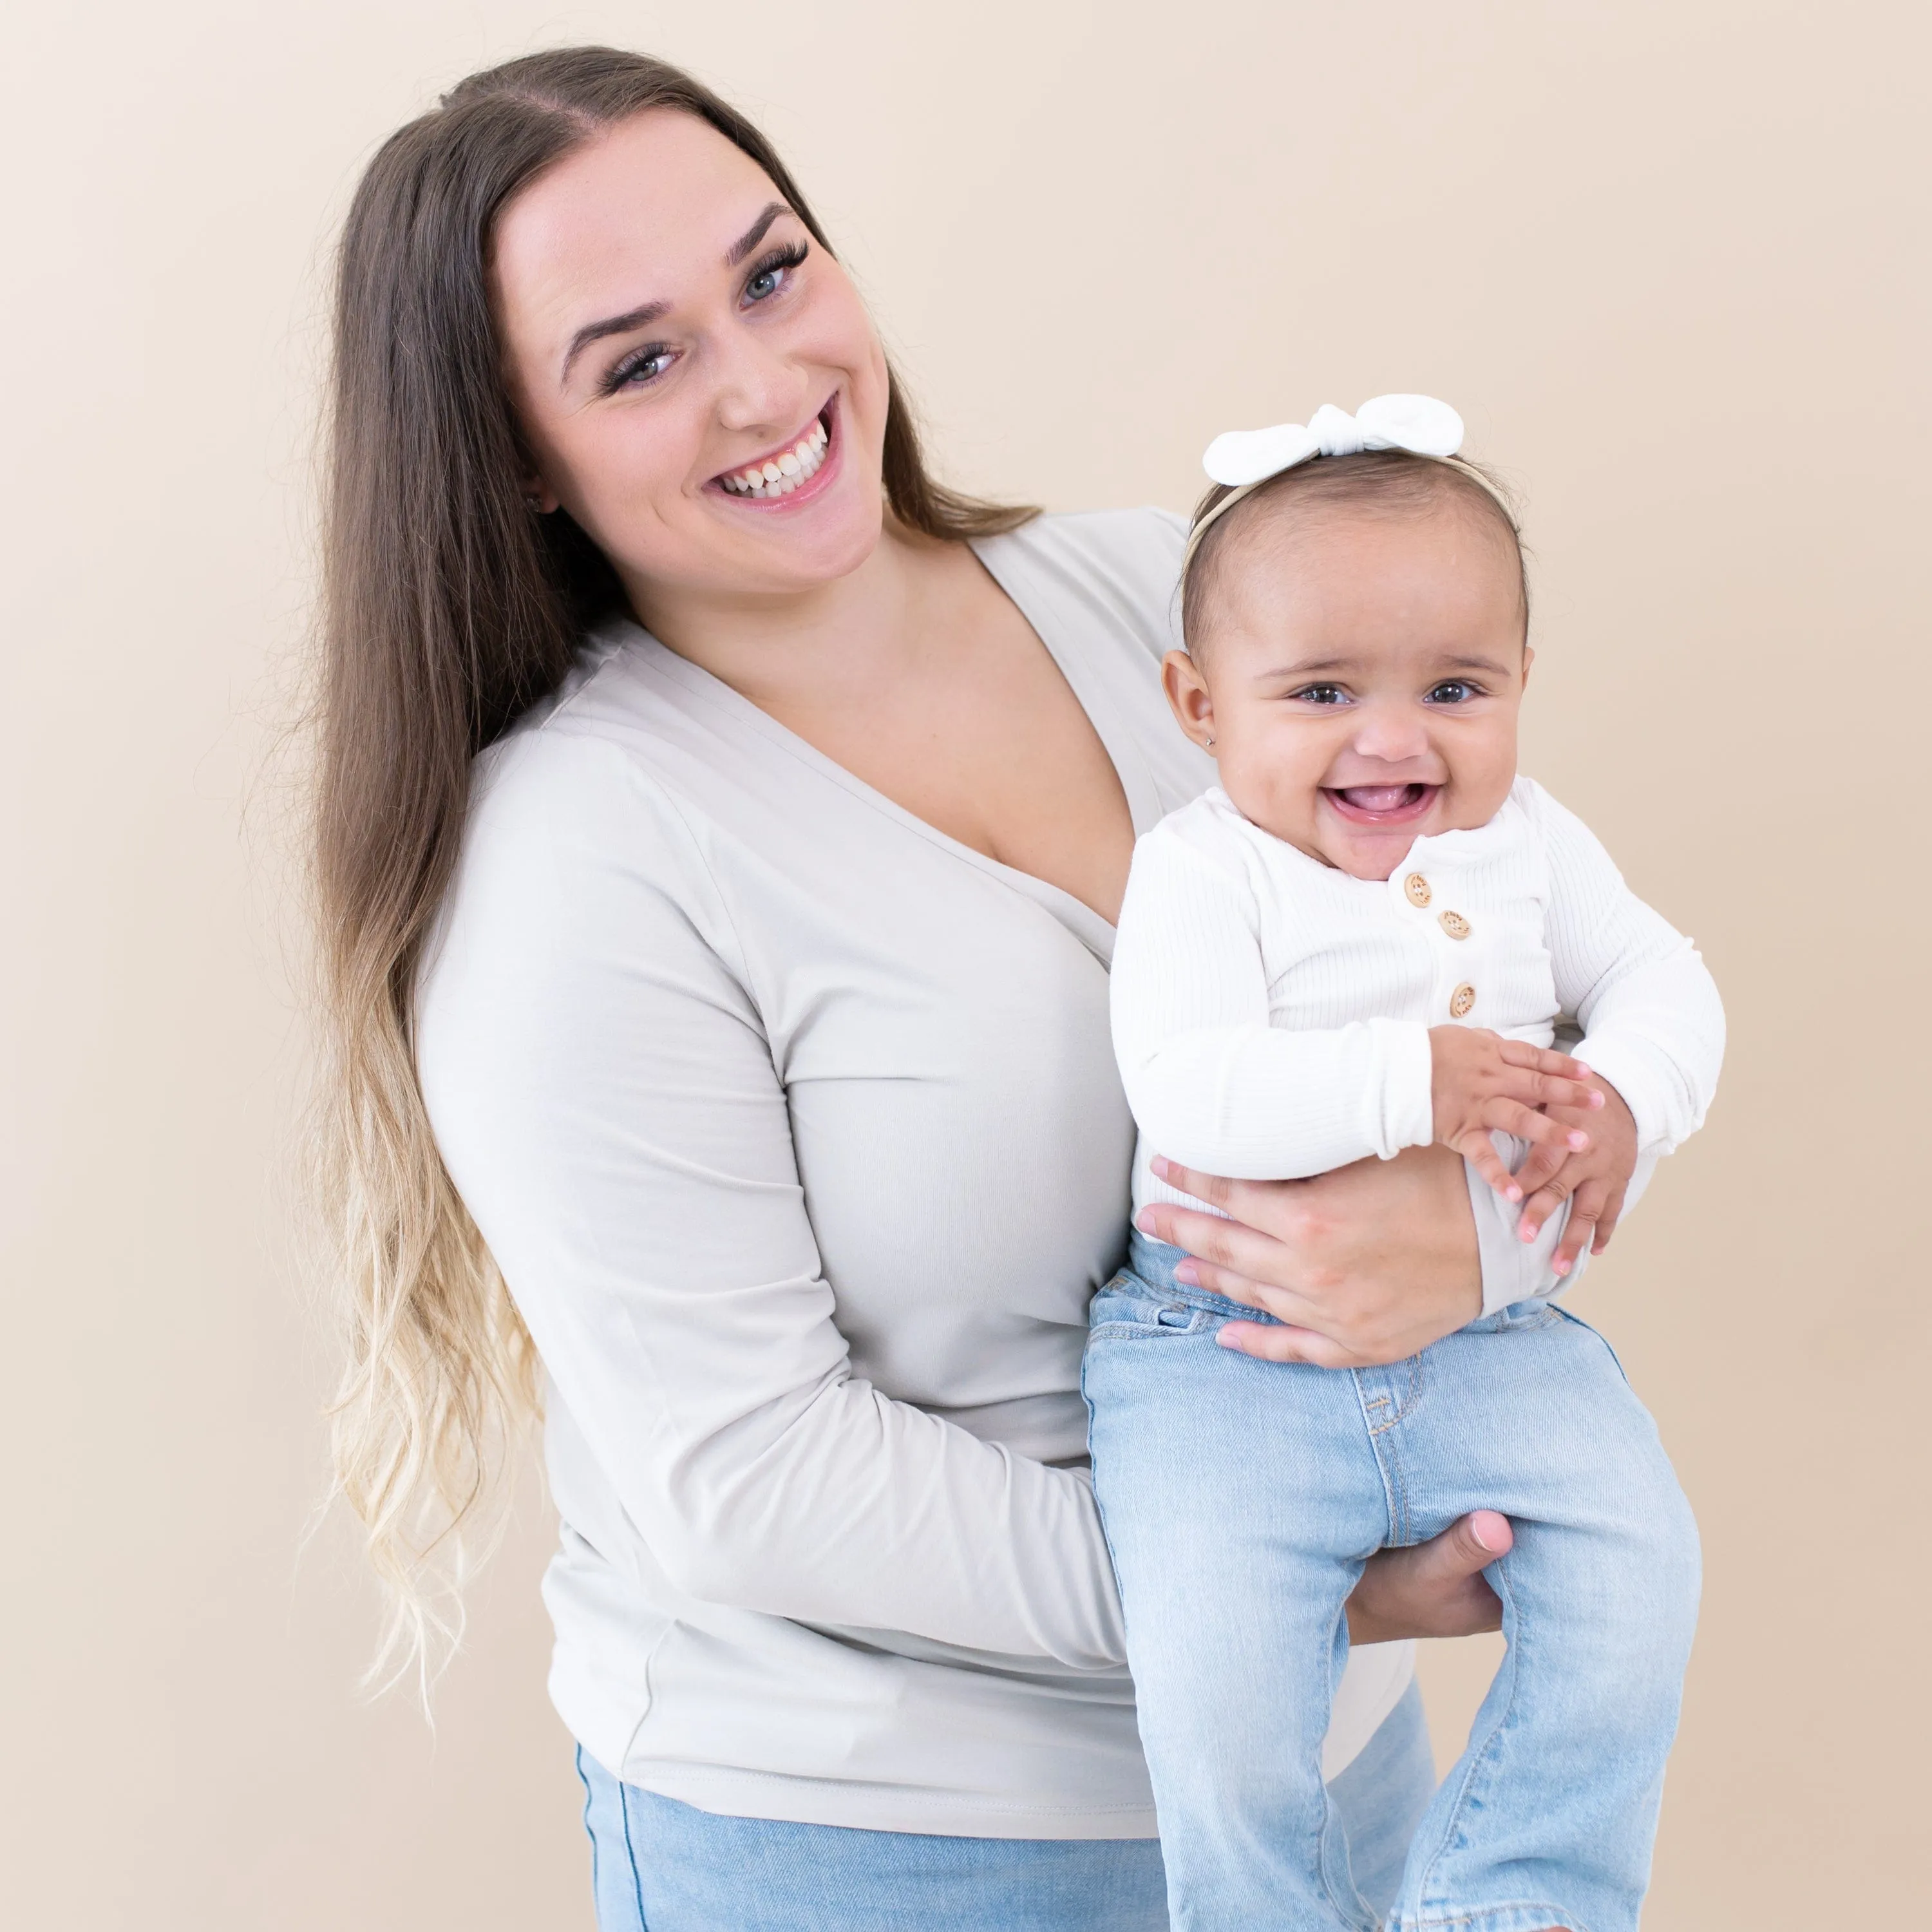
(1187, 697)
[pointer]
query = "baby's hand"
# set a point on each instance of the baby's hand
(1594, 1183)
(1482, 1082)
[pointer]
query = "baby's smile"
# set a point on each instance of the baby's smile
(1383, 804)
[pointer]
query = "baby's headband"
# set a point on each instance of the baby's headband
(1244, 459)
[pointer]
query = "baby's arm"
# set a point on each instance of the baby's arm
(1214, 1087)
(1652, 1021)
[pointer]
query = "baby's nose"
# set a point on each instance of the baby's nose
(1392, 738)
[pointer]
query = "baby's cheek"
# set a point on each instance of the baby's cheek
(1482, 767)
(1272, 788)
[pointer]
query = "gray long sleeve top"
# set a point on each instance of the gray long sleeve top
(795, 1127)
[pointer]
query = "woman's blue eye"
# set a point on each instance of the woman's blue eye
(636, 371)
(1453, 691)
(771, 274)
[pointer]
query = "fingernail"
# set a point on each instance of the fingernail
(1578, 1139)
(1186, 1271)
(1596, 1097)
(1477, 1537)
(1559, 1266)
(1144, 1220)
(1512, 1192)
(1158, 1164)
(1222, 1340)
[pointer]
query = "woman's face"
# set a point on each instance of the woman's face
(671, 330)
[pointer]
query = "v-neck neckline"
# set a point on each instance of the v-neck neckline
(1130, 770)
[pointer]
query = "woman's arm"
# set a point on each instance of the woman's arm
(606, 1101)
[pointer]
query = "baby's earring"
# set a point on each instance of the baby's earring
(1211, 741)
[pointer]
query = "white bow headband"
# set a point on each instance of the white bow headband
(1244, 459)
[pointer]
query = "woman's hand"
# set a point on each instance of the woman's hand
(1435, 1589)
(1368, 1264)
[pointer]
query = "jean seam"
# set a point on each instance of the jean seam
(589, 1798)
(1514, 1637)
(1548, 1915)
(1577, 1321)
(1388, 1465)
(631, 1853)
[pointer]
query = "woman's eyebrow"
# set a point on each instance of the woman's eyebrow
(642, 316)
(611, 325)
(754, 235)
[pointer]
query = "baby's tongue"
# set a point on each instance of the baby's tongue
(1376, 798)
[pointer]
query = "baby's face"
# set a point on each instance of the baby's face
(1361, 678)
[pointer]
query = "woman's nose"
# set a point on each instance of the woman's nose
(758, 388)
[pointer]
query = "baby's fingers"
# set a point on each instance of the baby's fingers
(1479, 1151)
(1607, 1225)
(1579, 1232)
(1512, 1117)
(1547, 1200)
(1555, 1079)
(1540, 1165)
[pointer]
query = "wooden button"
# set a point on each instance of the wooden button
(1453, 924)
(1417, 887)
(1461, 1001)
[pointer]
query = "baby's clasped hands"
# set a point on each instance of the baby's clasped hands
(1483, 1083)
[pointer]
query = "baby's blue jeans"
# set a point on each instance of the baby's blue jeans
(1241, 1499)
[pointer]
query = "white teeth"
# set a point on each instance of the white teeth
(781, 475)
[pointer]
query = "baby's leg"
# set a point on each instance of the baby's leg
(1240, 1499)
(1547, 1819)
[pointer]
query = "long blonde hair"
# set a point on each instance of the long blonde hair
(448, 607)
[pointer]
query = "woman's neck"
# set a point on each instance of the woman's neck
(830, 644)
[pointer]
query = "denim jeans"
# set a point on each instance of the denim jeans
(1240, 1499)
(660, 1866)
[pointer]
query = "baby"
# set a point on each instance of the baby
(1364, 941)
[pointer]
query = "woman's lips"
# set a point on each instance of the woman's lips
(804, 468)
(1381, 805)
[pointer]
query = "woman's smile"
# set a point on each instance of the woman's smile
(803, 468)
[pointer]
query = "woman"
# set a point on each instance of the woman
(721, 825)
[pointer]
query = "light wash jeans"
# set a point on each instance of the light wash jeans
(660, 1866)
(1240, 1499)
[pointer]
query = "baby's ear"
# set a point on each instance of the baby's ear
(1187, 696)
(1529, 658)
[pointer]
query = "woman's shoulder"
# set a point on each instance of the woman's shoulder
(584, 785)
(629, 717)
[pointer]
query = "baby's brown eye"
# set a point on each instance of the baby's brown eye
(1322, 694)
(1452, 690)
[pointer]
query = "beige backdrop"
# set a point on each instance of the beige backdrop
(1669, 258)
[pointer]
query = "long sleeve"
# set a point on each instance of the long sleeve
(1652, 1022)
(606, 1100)
(1210, 1082)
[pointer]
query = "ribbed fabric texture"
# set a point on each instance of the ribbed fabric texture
(1271, 1014)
